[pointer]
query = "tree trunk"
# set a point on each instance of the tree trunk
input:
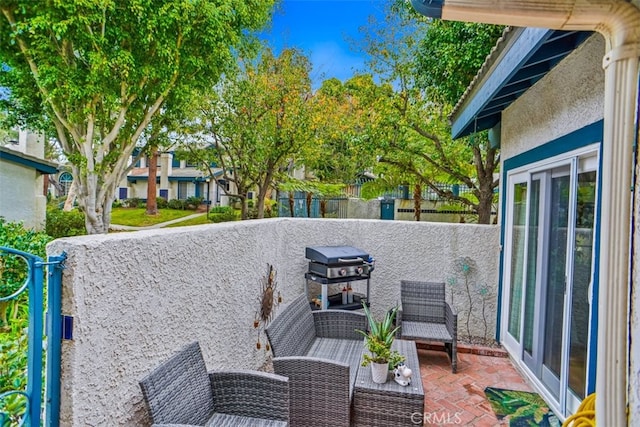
(323, 208)
(485, 203)
(309, 201)
(417, 201)
(244, 211)
(291, 204)
(71, 196)
(152, 203)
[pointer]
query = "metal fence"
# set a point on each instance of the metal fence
(406, 191)
(334, 207)
(33, 411)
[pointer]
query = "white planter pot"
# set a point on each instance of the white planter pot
(379, 372)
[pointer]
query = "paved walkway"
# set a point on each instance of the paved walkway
(118, 227)
(459, 399)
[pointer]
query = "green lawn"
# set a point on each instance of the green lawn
(136, 217)
(193, 221)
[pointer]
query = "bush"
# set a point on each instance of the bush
(161, 202)
(116, 204)
(14, 313)
(176, 204)
(222, 214)
(65, 224)
(193, 202)
(221, 209)
(133, 202)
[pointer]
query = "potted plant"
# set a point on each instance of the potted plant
(378, 341)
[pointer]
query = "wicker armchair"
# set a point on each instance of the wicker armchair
(181, 392)
(425, 315)
(319, 351)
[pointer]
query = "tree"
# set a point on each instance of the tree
(99, 70)
(412, 133)
(258, 120)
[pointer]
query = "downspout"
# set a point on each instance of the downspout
(619, 22)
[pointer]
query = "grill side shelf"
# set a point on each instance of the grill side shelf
(357, 300)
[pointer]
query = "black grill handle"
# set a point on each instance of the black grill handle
(350, 259)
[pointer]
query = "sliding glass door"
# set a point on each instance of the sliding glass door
(548, 274)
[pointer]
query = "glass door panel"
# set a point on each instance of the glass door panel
(555, 283)
(580, 285)
(519, 209)
(532, 267)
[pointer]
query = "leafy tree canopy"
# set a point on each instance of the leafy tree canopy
(99, 70)
(450, 55)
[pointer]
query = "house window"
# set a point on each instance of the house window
(548, 272)
(66, 179)
(182, 190)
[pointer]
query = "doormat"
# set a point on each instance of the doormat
(521, 408)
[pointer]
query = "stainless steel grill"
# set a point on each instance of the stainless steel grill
(338, 262)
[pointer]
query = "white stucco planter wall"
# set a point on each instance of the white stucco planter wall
(138, 297)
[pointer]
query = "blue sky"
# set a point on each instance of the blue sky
(321, 28)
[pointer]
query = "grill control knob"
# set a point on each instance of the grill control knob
(359, 270)
(343, 272)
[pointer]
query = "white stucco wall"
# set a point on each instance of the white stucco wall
(137, 297)
(568, 98)
(21, 196)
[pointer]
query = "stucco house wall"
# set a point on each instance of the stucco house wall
(22, 197)
(568, 98)
(138, 297)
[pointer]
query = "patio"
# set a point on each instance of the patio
(459, 398)
(153, 291)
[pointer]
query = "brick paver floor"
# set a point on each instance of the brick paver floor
(458, 399)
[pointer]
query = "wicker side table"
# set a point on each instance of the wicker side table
(389, 404)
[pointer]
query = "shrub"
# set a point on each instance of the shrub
(133, 202)
(14, 313)
(221, 209)
(176, 204)
(161, 202)
(193, 202)
(65, 224)
(223, 214)
(116, 204)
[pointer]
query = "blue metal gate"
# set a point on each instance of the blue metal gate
(34, 413)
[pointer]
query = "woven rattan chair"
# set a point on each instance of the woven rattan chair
(320, 353)
(181, 392)
(426, 315)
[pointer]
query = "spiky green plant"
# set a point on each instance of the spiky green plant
(379, 339)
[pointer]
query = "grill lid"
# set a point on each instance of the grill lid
(335, 254)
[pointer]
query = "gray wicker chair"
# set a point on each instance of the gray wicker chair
(181, 392)
(425, 315)
(320, 352)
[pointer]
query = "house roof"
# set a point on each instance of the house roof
(520, 58)
(40, 165)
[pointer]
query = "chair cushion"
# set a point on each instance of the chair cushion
(340, 350)
(224, 420)
(425, 331)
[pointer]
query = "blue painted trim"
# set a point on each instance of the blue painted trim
(524, 46)
(28, 161)
(580, 138)
(34, 357)
(587, 135)
(54, 340)
(430, 8)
